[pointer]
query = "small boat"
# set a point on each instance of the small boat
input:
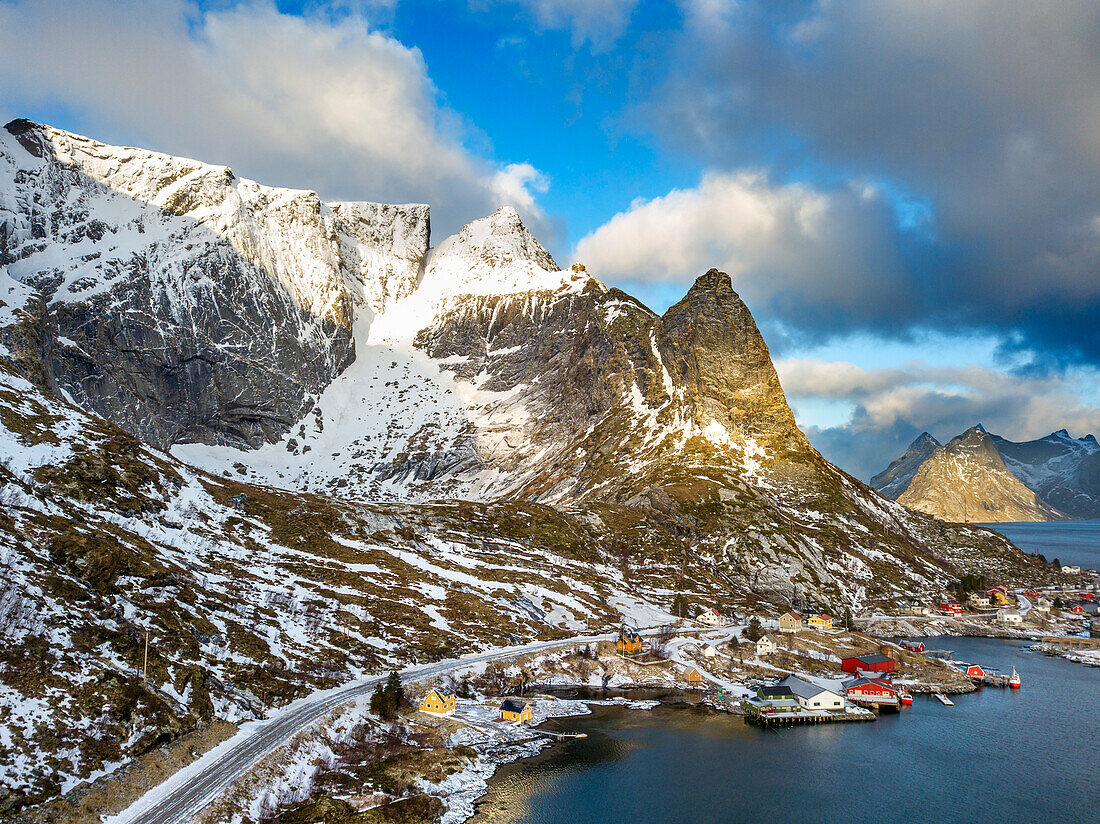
(943, 699)
(1014, 681)
(905, 697)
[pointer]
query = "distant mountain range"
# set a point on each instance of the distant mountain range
(981, 477)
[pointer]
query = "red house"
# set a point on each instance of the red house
(1031, 593)
(951, 609)
(975, 671)
(1077, 608)
(870, 689)
(912, 646)
(868, 663)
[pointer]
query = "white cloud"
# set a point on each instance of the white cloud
(320, 102)
(791, 250)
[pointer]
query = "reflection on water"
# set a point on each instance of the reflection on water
(1030, 756)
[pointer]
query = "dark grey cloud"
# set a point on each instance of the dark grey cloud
(986, 115)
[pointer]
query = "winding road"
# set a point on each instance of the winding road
(187, 792)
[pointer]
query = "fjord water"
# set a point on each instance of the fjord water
(1071, 542)
(996, 755)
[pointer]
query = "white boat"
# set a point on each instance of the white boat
(1014, 681)
(943, 699)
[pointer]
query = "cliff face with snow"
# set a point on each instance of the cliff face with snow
(1062, 471)
(966, 480)
(1065, 471)
(894, 480)
(439, 448)
(178, 300)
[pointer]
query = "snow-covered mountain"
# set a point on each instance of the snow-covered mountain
(1064, 470)
(966, 480)
(895, 478)
(437, 447)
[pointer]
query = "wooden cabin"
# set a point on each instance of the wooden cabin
(629, 643)
(438, 702)
(790, 622)
(515, 711)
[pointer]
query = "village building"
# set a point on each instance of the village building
(950, 608)
(695, 677)
(438, 702)
(790, 622)
(1010, 616)
(813, 696)
(912, 646)
(978, 600)
(1071, 569)
(629, 642)
(515, 711)
(913, 607)
(820, 621)
(767, 645)
(975, 671)
(711, 618)
(709, 651)
(872, 691)
(868, 663)
(1043, 605)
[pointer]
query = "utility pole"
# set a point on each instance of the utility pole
(145, 663)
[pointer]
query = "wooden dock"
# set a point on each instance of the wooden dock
(799, 719)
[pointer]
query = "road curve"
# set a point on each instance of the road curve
(177, 801)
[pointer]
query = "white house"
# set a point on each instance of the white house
(813, 696)
(1072, 570)
(709, 651)
(711, 618)
(1009, 616)
(767, 645)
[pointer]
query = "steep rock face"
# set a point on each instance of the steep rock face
(177, 300)
(966, 480)
(1065, 471)
(721, 369)
(893, 480)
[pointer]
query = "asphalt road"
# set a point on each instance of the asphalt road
(178, 804)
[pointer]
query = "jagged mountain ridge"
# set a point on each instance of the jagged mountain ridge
(966, 480)
(894, 480)
(1065, 471)
(597, 457)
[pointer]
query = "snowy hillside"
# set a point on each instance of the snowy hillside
(1064, 470)
(297, 443)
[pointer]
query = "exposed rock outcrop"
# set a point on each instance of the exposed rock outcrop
(966, 480)
(895, 478)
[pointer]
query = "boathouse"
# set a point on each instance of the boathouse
(975, 671)
(912, 646)
(874, 691)
(868, 663)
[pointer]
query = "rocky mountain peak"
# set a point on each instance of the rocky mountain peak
(967, 480)
(712, 347)
(893, 480)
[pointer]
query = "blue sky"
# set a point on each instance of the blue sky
(906, 195)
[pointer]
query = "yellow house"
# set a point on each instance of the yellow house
(790, 622)
(518, 712)
(695, 677)
(820, 621)
(438, 702)
(629, 642)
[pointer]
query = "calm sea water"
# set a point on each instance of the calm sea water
(996, 755)
(1071, 542)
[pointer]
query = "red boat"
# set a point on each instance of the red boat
(905, 697)
(1014, 681)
